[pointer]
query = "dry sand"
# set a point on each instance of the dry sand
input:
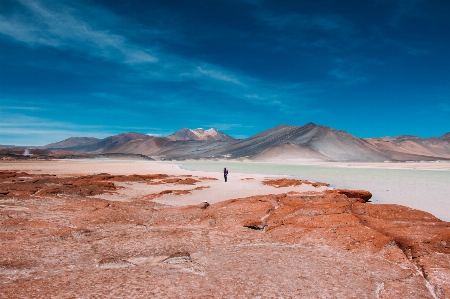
(211, 191)
(418, 185)
(58, 242)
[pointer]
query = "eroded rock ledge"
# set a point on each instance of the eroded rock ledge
(58, 240)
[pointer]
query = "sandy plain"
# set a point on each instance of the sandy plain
(133, 229)
(211, 191)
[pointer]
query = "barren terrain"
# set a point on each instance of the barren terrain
(101, 230)
(283, 143)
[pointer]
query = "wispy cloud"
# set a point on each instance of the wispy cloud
(348, 71)
(29, 108)
(321, 37)
(413, 48)
(65, 29)
(332, 23)
(21, 121)
(69, 29)
(20, 129)
(218, 75)
(40, 131)
(255, 97)
(405, 8)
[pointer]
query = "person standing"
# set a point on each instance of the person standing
(225, 174)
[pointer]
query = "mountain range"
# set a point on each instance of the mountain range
(310, 142)
(94, 145)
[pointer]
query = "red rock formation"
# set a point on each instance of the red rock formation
(330, 244)
(279, 183)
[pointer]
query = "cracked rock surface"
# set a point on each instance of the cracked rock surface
(61, 237)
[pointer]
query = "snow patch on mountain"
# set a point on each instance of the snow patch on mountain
(199, 134)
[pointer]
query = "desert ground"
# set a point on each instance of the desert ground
(124, 229)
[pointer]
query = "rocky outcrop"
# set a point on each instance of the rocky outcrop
(58, 240)
(279, 183)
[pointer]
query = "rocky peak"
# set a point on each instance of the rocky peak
(199, 134)
(310, 124)
(446, 136)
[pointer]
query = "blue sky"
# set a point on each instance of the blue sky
(372, 68)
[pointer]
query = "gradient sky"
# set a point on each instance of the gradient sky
(372, 68)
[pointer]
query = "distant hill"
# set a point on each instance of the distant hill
(148, 147)
(108, 143)
(310, 142)
(199, 134)
(17, 153)
(327, 142)
(446, 136)
(409, 147)
(24, 152)
(72, 142)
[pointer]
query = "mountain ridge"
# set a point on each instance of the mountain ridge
(334, 144)
(282, 142)
(71, 142)
(108, 143)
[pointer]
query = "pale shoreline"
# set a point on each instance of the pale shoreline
(436, 165)
(63, 239)
(238, 186)
(421, 186)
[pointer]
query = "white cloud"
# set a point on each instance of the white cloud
(219, 75)
(29, 108)
(22, 129)
(68, 28)
(255, 96)
(65, 29)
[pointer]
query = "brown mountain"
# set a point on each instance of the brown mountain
(326, 142)
(336, 145)
(108, 143)
(199, 134)
(446, 137)
(289, 152)
(413, 147)
(282, 143)
(72, 142)
(148, 147)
